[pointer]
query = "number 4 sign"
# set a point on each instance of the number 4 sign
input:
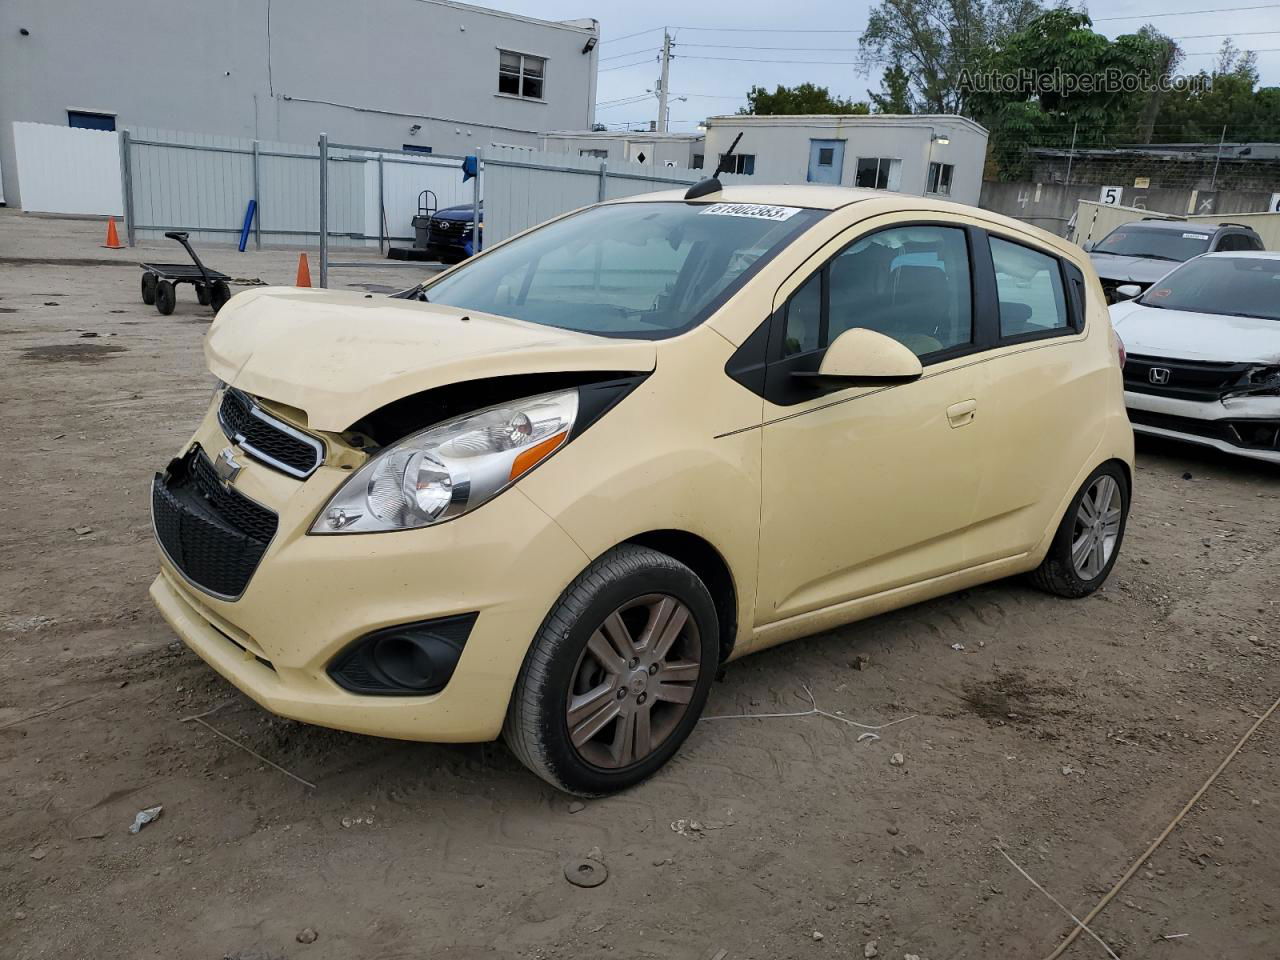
(1111, 196)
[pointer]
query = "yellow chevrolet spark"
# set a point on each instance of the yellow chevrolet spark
(545, 495)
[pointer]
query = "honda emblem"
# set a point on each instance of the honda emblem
(1158, 375)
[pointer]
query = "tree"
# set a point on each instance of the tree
(895, 92)
(933, 40)
(1222, 97)
(804, 98)
(1085, 86)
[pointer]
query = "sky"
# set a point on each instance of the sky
(712, 58)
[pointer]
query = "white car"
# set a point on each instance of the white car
(1203, 348)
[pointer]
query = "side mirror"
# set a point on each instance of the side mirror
(864, 358)
(1087, 246)
(1127, 291)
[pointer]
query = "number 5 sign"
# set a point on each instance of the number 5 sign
(1111, 196)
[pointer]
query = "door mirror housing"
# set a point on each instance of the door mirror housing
(1087, 246)
(1127, 291)
(864, 358)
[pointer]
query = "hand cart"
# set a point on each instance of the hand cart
(160, 281)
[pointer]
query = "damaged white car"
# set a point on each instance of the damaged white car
(1204, 353)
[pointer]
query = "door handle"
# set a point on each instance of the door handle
(958, 414)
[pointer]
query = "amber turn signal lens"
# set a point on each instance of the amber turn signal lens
(528, 459)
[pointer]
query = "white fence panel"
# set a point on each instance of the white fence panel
(68, 170)
(524, 187)
(403, 180)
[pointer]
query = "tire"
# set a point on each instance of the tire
(1061, 574)
(202, 294)
(636, 587)
(149, 288)
(166, 297)
(219, 295)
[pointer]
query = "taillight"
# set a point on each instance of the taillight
(1120, 349)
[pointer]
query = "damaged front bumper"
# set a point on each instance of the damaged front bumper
(1247, 426)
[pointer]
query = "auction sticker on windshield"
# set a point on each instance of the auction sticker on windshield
(757, 211)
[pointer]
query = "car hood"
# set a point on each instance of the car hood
(340, 356)
(1130, 269)
(1183, 335)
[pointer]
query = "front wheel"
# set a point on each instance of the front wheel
(1088, 540)
(618, 674)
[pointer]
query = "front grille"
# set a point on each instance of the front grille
(1185, 379)
(266, 438)
(1249, 434)
(212, 533)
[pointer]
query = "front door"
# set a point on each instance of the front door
(826, 161)
(870, 488)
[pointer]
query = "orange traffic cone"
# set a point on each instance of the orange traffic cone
(113, 240)
(304, 272)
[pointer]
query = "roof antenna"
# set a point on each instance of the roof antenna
(712, 183)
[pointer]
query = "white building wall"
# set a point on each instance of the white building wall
(659, 149)
(781, 147)
(364, 72)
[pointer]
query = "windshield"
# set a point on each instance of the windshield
(1234, 286)
(642, 270)
(1133, 240)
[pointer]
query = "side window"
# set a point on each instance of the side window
(804, 318)
(1029, 285)
(909, 283)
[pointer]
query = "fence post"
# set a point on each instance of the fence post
(324, 210)
(604, 181)
(1071, 155)
(126, 186)
(257, 202)
(475, 204)
(382, 220)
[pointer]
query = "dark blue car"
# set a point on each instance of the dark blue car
(449, 237)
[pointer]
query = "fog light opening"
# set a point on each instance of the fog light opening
(413, 659)
(405, 661)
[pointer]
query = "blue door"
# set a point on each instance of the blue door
(826, 161)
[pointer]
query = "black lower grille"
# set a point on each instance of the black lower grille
(1184, 379)
(1249, 434)
(263, 437)
(215, 535)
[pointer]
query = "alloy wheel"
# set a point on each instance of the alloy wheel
(633, 682)
(1097, 527)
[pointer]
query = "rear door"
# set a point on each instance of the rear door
(826, 161)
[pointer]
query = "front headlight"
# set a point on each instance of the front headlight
(452, 467)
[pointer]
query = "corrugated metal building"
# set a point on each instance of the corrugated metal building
(680, 150)
(428, 75)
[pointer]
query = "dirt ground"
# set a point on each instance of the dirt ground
(1069, 732)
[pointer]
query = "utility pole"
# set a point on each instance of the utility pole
(662, 83)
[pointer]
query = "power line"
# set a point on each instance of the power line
(1184, 13)
(623, 66)
(631, 53)
(640, 33)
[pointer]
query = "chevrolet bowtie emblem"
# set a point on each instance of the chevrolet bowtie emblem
(225, 466)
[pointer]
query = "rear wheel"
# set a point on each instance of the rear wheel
(618, 674)
(166, 297)
(1088, 540)
(149, 288)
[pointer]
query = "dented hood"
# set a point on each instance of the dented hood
(339, 356)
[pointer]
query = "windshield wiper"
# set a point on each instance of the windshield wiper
(1151, 256)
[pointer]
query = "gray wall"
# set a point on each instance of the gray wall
(208, 67)
(657, 148)
(1051, 205)
(781, 147)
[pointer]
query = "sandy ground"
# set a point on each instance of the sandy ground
(1070, 732)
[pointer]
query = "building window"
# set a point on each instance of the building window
(521, 75)
(91, 121)
(415, 148)
(940, 178)
(826, 156)
(879, 173)
(598, 154)
(698, 160)
(740, 163)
